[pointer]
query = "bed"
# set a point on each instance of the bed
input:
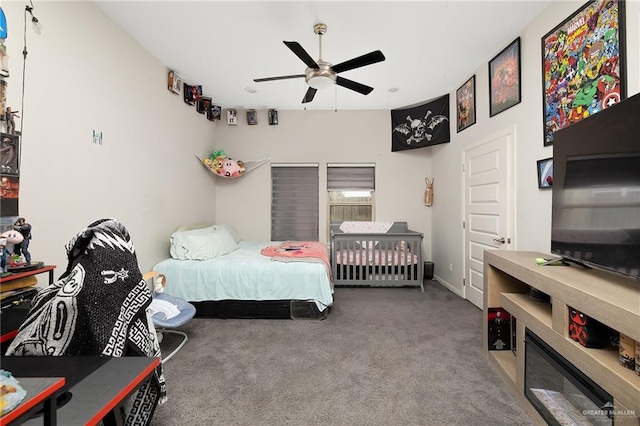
(376, 255)
(244, 283)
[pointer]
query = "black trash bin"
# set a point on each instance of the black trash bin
(428, 270)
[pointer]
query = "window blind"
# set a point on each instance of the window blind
(294, 203)
(351, 177)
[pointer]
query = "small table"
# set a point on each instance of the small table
(41, 391)
(97, 385)
(13, 317)
(16, 275)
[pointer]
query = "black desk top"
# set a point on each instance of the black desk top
(97, 384)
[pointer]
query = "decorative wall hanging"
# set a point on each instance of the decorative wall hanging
(9, 191)
(252, 117)
(175, 83)
(214, 113)
(232, 117)
(504, 79)
(421, 126)
(191, 93)
(583, 65)
(220, 165)
(466, 104)
(273, 117)
(428, 192)
(545, 173)
(9, 154)
(203, 104)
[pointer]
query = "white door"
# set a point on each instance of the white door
(488, 206)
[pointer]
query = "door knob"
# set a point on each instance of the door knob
(501, 240)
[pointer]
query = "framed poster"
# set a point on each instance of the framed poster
(545, 173)
(252, 117)
(9, 154)
(175, 83)
(466, 104)
(583, 65)
(504, 79)
(232, 117)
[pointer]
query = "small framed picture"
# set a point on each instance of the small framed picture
(273, 117)
(214, 113)
(232, 117)
(466, 104)
(10, 154)
(504, 79)
(545, 173)
(191, 93)
(203, 104)
(174, 83)
(252, 117)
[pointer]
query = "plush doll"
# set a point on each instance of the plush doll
(232, 168)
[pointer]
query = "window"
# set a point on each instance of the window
(294, 202)
(351, 190)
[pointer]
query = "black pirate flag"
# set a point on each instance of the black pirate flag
(420, 126)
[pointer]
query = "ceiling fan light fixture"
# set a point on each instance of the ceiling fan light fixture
(321, 82)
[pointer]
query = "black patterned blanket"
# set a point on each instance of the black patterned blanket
(97, 307)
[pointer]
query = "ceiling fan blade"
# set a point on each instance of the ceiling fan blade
(301, 53)
(308, 97)
(360, 61)
(282, 77)
(353, 85)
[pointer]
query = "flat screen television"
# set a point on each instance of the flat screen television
(595, 217)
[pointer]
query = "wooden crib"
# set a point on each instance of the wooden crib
(391, 259)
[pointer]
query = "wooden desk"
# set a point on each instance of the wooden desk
(98, 385)
(41, 391)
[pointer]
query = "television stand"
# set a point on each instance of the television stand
(609, 298)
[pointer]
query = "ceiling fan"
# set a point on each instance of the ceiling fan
(321, 74)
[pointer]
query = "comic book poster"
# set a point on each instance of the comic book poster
(583, 65)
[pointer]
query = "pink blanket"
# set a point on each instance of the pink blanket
(300, 251)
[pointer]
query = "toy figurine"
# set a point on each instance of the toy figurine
(23, 248)
(8, 237)
(10, 121)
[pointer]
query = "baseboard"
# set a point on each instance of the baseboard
(447, 285)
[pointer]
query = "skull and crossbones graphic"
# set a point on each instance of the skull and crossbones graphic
(420, 128)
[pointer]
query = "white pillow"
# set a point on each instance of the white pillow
(202, 244)
(231, 231)
(224, 241)
(178, 241)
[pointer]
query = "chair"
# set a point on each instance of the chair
(165, 325)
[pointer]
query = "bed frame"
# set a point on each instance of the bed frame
(407, 272)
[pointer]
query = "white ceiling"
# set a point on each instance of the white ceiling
(431, 47)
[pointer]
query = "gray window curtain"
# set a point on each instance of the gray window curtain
(351, 178)
(294, 203)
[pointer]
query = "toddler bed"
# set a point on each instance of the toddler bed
(238, 281)
(376, 258)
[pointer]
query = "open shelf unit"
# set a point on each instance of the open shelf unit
(611, 299)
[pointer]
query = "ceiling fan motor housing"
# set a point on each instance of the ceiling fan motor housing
(322, 77)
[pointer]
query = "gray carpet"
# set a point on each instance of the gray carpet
(382, 357)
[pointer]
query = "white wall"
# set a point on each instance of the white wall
(321, 137)
(84, 73)
(533, 206)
